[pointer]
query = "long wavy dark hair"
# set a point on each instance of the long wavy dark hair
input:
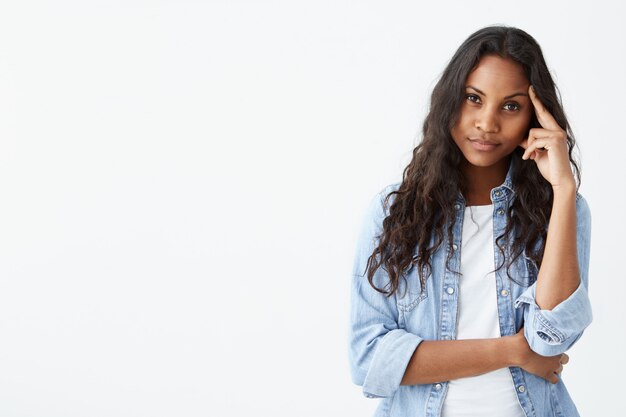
(423, 207)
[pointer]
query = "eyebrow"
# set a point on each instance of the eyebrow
(505, 98)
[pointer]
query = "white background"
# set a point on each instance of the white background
(181, 184)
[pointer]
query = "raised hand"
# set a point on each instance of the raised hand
(547, 146)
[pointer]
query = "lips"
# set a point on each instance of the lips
(483, 145)
(483, 141)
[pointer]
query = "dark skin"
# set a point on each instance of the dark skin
(482, 181)
(497, 110)
(444, 360)
(493, 122)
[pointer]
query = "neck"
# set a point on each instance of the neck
(481, 180)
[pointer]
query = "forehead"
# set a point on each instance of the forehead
(497, 74)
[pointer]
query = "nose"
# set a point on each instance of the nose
(487, 121)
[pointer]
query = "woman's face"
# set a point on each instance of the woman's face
(495, 114)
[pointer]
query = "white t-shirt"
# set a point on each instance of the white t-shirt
(493, 393)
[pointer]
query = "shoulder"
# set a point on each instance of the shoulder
(379, 203)
(378, 209)
(581, 202)
(583, 212)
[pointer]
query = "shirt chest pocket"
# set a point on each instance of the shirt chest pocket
(524, 271)
(410, 293)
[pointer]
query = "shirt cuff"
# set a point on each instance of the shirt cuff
(549, 331)
(389, 363)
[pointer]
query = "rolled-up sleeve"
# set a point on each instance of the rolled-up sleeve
(552, 332)
(379, 351)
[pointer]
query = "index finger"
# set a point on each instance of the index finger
(546, 120)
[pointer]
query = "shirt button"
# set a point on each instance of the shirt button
(437, 387)
(498, 193)
(450, 290)
(454, 246)
(457, 206)
(504, 293)
(521, 388)
(500, 212)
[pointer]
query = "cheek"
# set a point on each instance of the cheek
(520, 127)
(461, 124)
(457, 132)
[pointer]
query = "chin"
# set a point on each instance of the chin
(485, 161)
(482, 164)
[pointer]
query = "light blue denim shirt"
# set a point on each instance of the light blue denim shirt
(384, 332)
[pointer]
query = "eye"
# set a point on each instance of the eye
(512, 106)
(473, 98)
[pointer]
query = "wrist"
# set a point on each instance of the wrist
(568, 187)
(563, 196)
(516, 346)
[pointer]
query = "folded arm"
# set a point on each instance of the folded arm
(443, 360)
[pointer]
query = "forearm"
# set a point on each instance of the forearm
(558, 275)
(444, 360)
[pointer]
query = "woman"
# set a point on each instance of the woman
(470, 277)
